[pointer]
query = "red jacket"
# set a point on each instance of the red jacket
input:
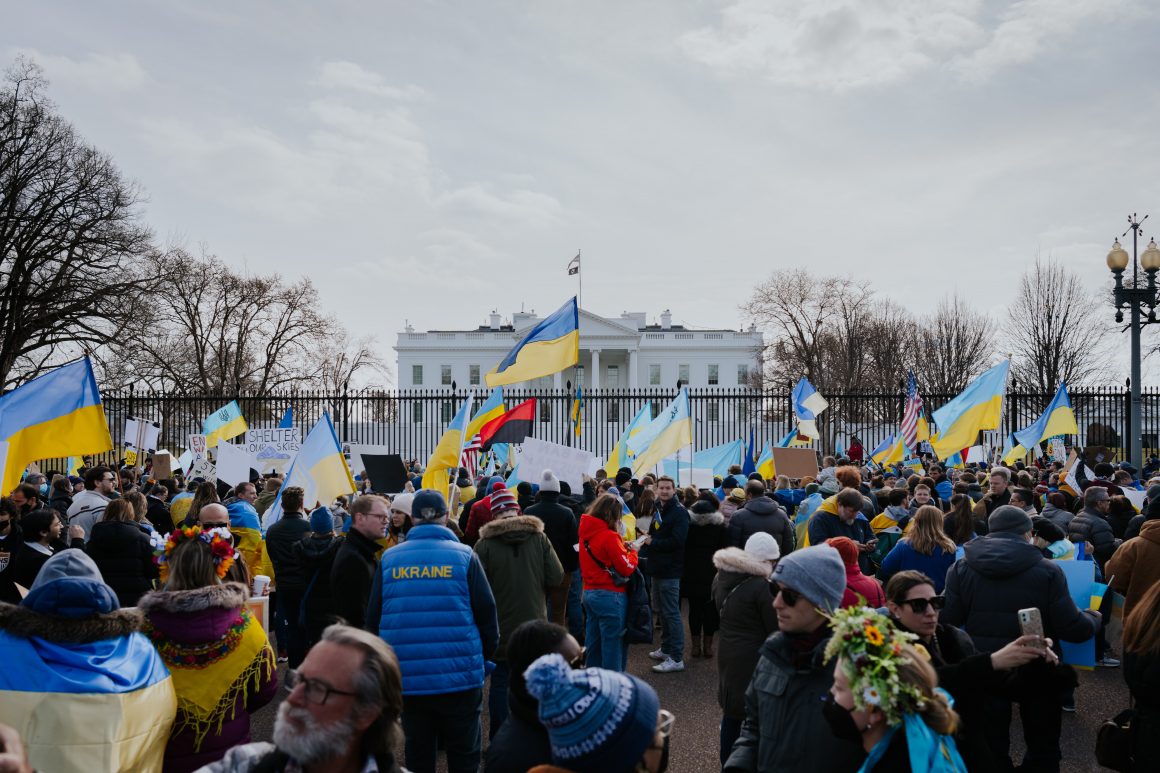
(858, 584)
(609, 548)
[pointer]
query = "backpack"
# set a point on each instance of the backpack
(639, 618)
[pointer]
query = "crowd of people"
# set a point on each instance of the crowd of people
(859, 619)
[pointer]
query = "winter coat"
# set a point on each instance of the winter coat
(729, 508)
(521, 566)
(784, 728)
(1001, 574)
(1135, 566)
(608, 548)
(264, 500)
(762, 514)
(987, 504)
(1060, 517)
(123, 553)
(1091, 526)
(351, 577)
(707, 535)
(280, 541)
(157, 514)
(741, 593)
(560, 524)
(903, 556)
(315, 553)
(263, 757)
(862, 590)
(824, 524)
(87, 508)
(520, 744)
(1119, 521)
(61, 503)
(184, 624)
(669, 530)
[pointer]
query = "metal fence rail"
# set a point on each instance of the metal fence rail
(411, 422)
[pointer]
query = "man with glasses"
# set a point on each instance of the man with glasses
(89, 505)
(342, 712)
(784, 728)
(353, 571)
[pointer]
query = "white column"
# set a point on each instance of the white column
(595, 380)
(632, 375)
(557, 380)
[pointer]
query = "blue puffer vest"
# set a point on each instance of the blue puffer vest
(427, 615)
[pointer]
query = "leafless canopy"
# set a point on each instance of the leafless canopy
(951, 346)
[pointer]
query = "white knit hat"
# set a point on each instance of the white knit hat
(763, 546)
(549, 482)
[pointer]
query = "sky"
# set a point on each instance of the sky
(431, 161)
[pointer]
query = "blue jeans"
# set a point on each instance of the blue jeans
(497, 698)
(575, 611)
(668, 595)
(604, 636)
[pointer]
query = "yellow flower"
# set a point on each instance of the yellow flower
(873, 635)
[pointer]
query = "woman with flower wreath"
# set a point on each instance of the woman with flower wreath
(886, 695)
(222, 666)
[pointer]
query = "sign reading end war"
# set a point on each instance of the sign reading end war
(273, 448)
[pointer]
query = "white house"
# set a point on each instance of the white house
(622, 352)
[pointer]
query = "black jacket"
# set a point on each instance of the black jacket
(315, 554)
(280, 540)
(823, 525)
(1001, 574)
(761, 514)
(351, 577)
(1091, 526)
(121, 550)
(61, 503)
(560, 526)
(669, 531)
(520, 744)
(707, 535)
(158, 515)
(741, 595)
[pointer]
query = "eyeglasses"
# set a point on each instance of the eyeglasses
(788, 595)
(578, 661)
(665, 720)
(919, 605)
(314, 690)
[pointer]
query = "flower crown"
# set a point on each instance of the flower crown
(220, 545)
(871, 647)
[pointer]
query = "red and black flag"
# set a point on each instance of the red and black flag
(511, 427)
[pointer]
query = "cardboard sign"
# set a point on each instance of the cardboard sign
(233, 463)
(197, 446)
(259, 607)
(795, 462)
(387, 473)
(273, 448)
(568, 464)
(162, 466)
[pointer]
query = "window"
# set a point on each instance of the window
(447, 411)
(713, 379)
(742, 375)
(683, 373)
(445, 375)
(416, 412)
(473, 375)
(417, 375)
(579, 375)
(613, 376)
(654, 374)
(614, 414)
(712, 411)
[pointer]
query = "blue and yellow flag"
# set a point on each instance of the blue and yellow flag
(549, 347)
(621, 456)
(977, 408)
(890, 451)
(491, 408)
(57, 414)
(577, 411)
(765, 462)
(319, 469)
(670, 431)
(287, 419)
(224, 423)
(450, 448)
(1057, 419)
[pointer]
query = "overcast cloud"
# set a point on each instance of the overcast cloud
(431, 161)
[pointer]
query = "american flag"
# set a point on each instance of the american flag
(909, 426)
(470, 457)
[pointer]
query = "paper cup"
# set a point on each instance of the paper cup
(261, 582)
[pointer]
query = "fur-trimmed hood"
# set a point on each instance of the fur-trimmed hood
(711, 518)
(737, 560)
(25, 623)
(515, 527)
(230, 595)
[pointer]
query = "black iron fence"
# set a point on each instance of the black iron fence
(411, 422)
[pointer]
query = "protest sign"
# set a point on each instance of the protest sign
(1080, 577)
(162, 465)
(233, 463)
(699, 477)
(131, 458)
(568, 464)
(273, 448)
(387, 473)
(795, 462)
(200, 466)
(142, 435)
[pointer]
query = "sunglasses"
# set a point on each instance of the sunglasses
(919, 605)
(578, 661)
(788, 595)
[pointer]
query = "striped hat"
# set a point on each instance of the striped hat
(502, 500)
(597, 720)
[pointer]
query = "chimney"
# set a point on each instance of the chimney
(494, 321)
(666, 319)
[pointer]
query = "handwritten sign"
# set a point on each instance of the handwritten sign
(568, 464)
(273, 448)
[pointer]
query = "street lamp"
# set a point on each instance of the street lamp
(1134, 299)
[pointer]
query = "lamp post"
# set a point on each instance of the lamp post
(1134, 298)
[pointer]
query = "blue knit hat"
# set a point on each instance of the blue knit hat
(322, 521)
(597, 720)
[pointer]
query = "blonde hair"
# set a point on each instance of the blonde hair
(926, 531)
(914, 668)
(140, 506)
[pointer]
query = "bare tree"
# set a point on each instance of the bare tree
(345, 359)
(1054, 330)
(70, 239)
(951, 346)
(888, 332)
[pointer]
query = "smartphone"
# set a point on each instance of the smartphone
(1031, 622)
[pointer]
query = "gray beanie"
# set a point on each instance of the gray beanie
(549, 482)
(816, 572)
(1153, 492)
(1010, 519)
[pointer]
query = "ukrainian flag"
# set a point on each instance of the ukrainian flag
(491, 408)
(1013, 450)
(891, 451)
(1057, 419)
(224, 423)
(319, 469)
(668, 432)
(620, 456)
(577, 410)
(57, 414)
(548, 348)
(450, 448)
(977, 408)
(765, 462)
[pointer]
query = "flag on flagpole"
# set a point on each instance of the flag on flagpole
(287, 419)
(668, 432)
(549, 347)
(491, 408)
(510, 427)
(469, 459)
(620, 456)
(449, 449)
(765, 462)
(912, 412)
(574, 265)
(807, 404)
(1057, 419)
(319, 469)
(748, 464)
(978, 407)
(577, 411)
(224, 423)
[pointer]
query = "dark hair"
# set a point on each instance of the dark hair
(1025, 495)
(36, 522)
(529, 641)
(28, 490)
(754, 489)
(292, 499)
(1057, 499)
(191, 566)
(897, 496)
(964, 527)
(901, 584)
(851, 497)
(61, 485)
(94, 475)
(663, 478)
(607, 508)
(206, 494)
(9, 507)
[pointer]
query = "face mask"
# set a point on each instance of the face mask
(840, 720)
(43, 489)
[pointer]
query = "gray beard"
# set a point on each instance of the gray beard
(313, 744)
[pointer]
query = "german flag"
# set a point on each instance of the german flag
(511, 427)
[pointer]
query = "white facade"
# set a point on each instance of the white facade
(615, 353)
